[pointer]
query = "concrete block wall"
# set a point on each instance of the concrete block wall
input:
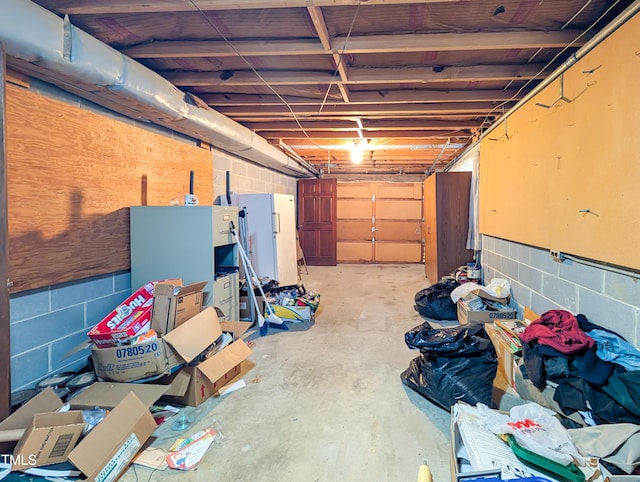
(46, 323)
(606, 298)
(246, 178)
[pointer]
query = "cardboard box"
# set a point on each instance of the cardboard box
(48, 440)
(173, 304)
(294, 313)
(247, 308)
(161, 356)
(45, 401)
(467, 315)
(110, 394)
(192, 385)
(108, 449)
(127, 363)
(507, 359)
(131, 317)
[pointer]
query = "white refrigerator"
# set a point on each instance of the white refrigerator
(271, 235)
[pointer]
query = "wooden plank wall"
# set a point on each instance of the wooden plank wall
(5, 321)
(389, 213)
(566, 177)
(72, 175)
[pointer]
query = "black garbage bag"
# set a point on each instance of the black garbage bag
(444, 380)
(461, 340)
(435, 301)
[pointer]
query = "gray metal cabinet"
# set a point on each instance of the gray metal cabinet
(189, 242)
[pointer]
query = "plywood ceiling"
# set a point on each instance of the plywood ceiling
(410, 83)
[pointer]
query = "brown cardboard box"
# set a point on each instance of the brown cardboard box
(160, 356)
(193, 385)
(506, 357)
(174, 304)
(134, 362)
(45, 401)
(109, 448)
(111, 394)
(467, 315)
(48, 440)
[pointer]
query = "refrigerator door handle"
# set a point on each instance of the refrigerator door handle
(276, 222)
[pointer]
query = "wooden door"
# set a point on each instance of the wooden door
(317, 221)
(430, 230)
(446, 223)
(379, 222)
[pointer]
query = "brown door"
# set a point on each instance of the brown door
(317, 221)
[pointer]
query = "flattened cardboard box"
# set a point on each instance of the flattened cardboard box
(109, 448)
(193, 385)
(45, 401)
(174, 304)
(48, 440)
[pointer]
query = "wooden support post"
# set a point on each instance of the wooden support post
(5, 345)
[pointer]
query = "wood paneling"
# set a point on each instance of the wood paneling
(354, 252)
(397, 252)
(566, 177)
(5, 321)
(399, 230)
(72, 175)
(398, 209)
(379, 222)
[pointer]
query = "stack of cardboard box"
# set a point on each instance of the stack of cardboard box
(191, 357)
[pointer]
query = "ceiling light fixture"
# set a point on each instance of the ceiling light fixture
(356, 151)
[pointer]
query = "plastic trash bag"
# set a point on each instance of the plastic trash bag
(444, 381)
(435, 301)
(462, 340)
(535, 428)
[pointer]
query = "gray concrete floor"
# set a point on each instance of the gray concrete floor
(327, 403)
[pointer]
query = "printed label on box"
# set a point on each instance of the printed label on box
(120, 460)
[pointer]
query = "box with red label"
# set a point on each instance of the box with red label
(130, 318)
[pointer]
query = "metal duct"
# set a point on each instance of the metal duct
(52, 49)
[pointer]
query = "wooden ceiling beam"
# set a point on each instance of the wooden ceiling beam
(370, 135)
(378, 97)
(357, 75)
(361, 110)
(91, 7)
(321, 29)
(220, 48)
(357, 44)
(442, 42)
(369, 125)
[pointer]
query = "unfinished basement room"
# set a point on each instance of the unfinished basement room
(320, 240)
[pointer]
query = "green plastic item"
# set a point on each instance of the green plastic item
(569, 472)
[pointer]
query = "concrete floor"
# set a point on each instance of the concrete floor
(327, 403)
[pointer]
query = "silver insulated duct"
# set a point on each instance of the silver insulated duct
(43, 45)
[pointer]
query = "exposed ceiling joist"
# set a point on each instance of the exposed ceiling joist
(380, 97)
(156, 6)
(356, 75)
(367, 44)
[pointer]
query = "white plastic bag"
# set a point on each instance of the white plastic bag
(498, 288)
(535, 428)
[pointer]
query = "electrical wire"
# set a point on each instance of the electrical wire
(606, 267)
(340, 57)
(264, 81)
